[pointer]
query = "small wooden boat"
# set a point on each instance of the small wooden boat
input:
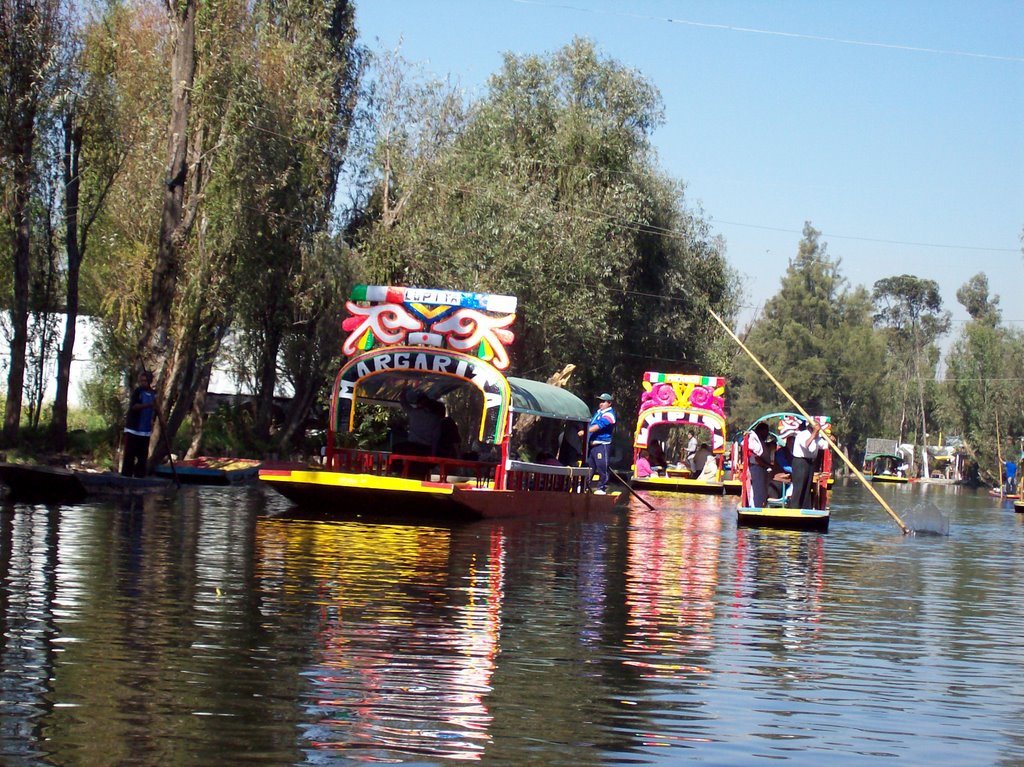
(446, 347)
(671, 406)
(31, 483)
(776, 514)
(995, 492)
(211, 471)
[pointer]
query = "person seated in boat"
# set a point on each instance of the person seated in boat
(423, 434)
(656, 456)
(425, 416)
(449, 443)
(760, 446)
(709, 470)
(901, 470)
(781, 481)
(642, 468)
(699, 460)
(546, 458)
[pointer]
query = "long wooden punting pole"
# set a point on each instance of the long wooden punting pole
(999, 456)
(804, 413)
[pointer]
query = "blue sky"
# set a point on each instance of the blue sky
(895, 128)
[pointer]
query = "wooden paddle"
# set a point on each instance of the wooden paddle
(799, 408)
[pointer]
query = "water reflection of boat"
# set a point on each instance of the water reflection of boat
(405, 635)
(776, 513)
(412, 348)
(784, 569)
(672, 406)
(672, 576)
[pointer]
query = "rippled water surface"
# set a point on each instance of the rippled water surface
(220, 627)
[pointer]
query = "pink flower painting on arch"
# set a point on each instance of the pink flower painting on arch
(704, 398)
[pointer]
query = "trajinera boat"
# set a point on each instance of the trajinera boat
(885, 467)
(674, 407)
(410, 348)
(883, 461)
(776, 513)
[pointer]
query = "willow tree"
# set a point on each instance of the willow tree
(98, 125)
(909, 309)
(817, 338)
(294, 273)
(550, 191)
(257, 108)
(31, 37)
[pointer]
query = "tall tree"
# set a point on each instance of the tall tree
(910, 310)
(30, 35)
(984, 381)
(817, 338)
(182, 184)
(96, 131)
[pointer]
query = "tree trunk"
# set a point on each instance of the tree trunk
(72, 189)
(23, 143)
(175, 220)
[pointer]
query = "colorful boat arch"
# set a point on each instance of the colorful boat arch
(363, 376)
(680, 399)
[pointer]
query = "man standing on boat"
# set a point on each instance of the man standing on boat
(760, 446)
(806, 446)
(138, 426)
(602, 424)
(691, 452)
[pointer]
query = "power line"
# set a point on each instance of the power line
(777, 33)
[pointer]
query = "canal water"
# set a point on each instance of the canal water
(221, 627)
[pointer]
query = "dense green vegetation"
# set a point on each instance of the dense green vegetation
(209, 179)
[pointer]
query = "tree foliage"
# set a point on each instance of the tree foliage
(910, 312)
(985, 382)
(817, 338)
(548, 190)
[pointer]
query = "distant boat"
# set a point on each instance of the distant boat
(885, 467)
(33, 483)
(206, 470)
(670, 405)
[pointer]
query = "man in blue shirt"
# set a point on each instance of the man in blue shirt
(602, 424)
(138, 426)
